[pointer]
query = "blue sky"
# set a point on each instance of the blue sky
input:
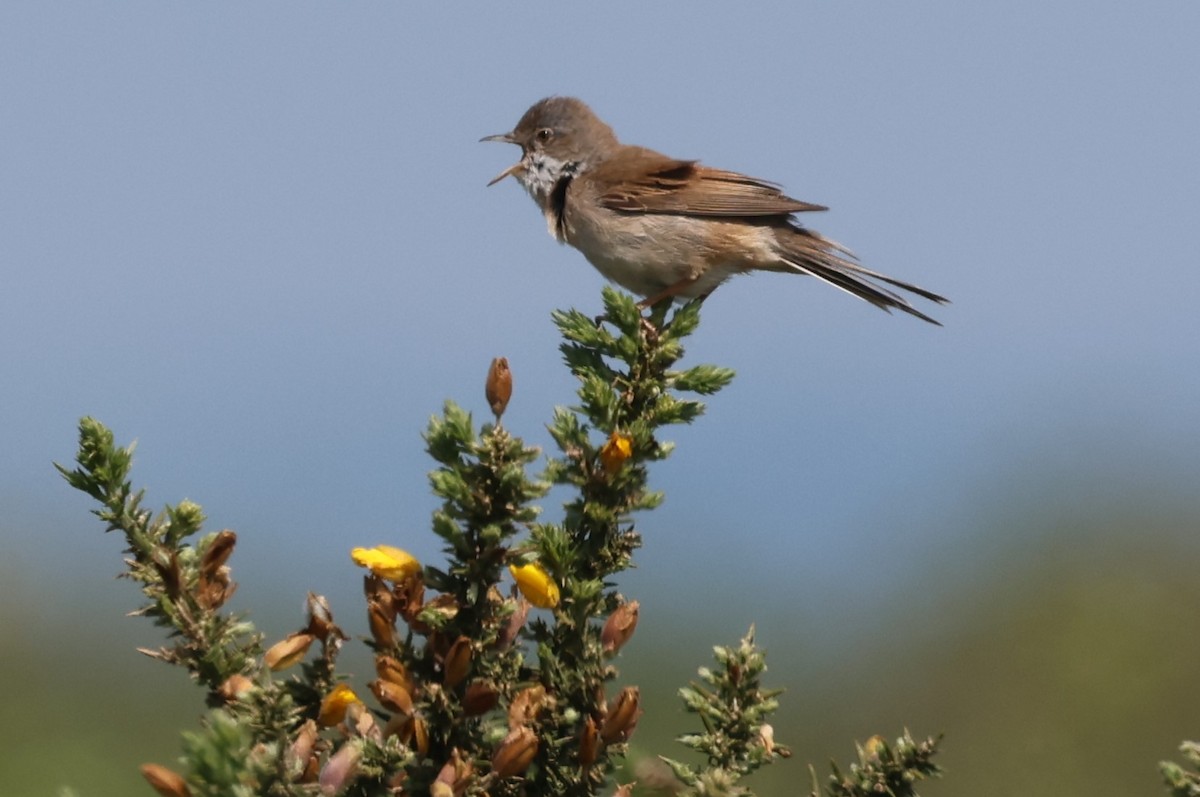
(256, 238)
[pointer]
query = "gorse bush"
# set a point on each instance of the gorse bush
(494, 668)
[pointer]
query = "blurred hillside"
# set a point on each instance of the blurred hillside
(1063, 664)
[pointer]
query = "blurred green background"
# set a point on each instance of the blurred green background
(256, 238)
(1065, 663)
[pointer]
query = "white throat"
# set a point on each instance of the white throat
(541, 176)
(541, 173)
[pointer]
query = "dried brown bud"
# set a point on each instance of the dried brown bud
(421, 735)
(288, 651)
(363, 722)
(622, 717)
(735, 672)
(168, 573)
(382, 625)
(300, 755)
(214, 586)
(480, 697)
(320, 618)
(164, 781)
(401, 726)
(312, 770)
(340, 769)
(499, 386)
(589, 743)
(526, 706)
(454, 776)
(445, 605)
(214, 589)
(457, 663)
(512, 628)
(619, 627)
(234, 687)
(393, 671)
(377, 591)
(392, 696)
(381, 611)
(515, 753)
(409, 596)
(217, 552)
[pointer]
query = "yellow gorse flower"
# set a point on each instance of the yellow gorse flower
(536, 585)
(614, 453)
(334, 705)
(387, 562)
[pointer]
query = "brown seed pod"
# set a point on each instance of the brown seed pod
(498, 388)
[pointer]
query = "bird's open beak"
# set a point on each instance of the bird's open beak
(506, 138)
(517, 167)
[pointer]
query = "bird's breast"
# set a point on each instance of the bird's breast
(646, 253)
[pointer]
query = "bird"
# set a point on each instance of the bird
(665, 228)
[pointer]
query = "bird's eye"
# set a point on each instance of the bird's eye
(545, 134)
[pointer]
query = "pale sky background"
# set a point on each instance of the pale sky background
(256, 237)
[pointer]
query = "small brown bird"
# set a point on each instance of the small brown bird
(662, 227)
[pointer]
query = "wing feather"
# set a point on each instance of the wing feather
(652, 183)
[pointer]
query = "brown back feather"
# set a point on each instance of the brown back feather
(647, 182)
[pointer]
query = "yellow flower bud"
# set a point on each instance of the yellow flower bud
(536, 585)
(334, 705)
(614, 453)
(387, 562)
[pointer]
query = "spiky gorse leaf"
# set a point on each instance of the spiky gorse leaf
(495, 668)
(1182, 782)
(883, 768)
(733, 707)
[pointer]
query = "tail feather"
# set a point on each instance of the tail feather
(807, 252)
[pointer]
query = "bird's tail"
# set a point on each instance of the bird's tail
(807, 252)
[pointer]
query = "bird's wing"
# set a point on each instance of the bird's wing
(653, 183)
